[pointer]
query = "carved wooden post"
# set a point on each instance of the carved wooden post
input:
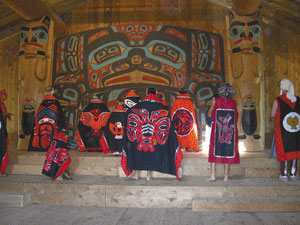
(34, 73)
(245, 50)
(35, 57)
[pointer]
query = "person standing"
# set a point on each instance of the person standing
(49, 121)
(150, 142)
(3, 145)
(224, 134)
(90, 131)
(286, 110)
(114, 130)
(4, 141)
(3, 97)
(184, 118)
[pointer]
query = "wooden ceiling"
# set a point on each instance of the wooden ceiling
(278, 13)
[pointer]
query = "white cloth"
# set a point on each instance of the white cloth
(287, 85)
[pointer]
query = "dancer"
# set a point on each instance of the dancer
(286, 110)
(184, 118)
(90, 132)
(49, 120)
(58, 159)
(224, 135)
(3, 97)
(3, 145)
(150, 142)
(114, 131)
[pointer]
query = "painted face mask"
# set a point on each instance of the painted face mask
(34, 39)
(245, 33)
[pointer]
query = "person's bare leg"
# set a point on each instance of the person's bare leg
(149, 175)
(136, 175)
(212, 172)
(286, 167)
(294, 169)
(226, 172)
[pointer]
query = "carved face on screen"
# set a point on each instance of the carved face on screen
(245, 33)
(34, 39)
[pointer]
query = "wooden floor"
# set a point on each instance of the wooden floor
(83, 215)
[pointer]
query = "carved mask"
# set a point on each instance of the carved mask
(34, 38)
(245, 33)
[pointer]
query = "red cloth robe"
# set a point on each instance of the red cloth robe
(184, 118)
(224, 134)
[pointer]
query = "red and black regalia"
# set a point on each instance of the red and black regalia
(150, 143)
(184, 119)
(57, 158)
(49, 121)
(90, 132)
(3, 144)
(287, 128)
(224, 134)
(115, 128)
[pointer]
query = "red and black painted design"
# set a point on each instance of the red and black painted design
(90, 132)
(3, 144)
(148, 129)
(115, 129)
(224, 135)
(287, 129)
(49, 121)
(57, 157)
(151, 143)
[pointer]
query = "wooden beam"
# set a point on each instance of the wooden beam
(35, 10)
(246, 7)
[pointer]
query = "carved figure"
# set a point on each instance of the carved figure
(246, 41)
(33, 69)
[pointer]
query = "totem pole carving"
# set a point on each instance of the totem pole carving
(33, 71)
(245, 37)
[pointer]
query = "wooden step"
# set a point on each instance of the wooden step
(14, 199)
(254, 164)
(109, 191)
(246, 204)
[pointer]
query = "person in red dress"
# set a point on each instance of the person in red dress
(224, 134)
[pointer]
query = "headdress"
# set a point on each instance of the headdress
(131, 93)
(226, 90)
(287, 85)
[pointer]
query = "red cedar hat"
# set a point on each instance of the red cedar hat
(131, 93)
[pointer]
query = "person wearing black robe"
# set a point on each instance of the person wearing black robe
(115, 129)
(90, 132)
(150, 142)
(57, 158)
